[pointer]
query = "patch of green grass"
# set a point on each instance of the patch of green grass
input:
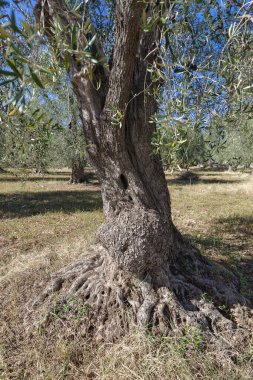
(208, 241)
(70, 308)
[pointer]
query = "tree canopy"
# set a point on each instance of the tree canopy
(204, 67)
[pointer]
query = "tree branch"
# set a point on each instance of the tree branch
(128, 31)
(49, 13)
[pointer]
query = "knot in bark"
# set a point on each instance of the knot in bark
(137, 239)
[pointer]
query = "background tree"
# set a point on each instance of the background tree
(37, 122)
(31, 114)
(206, 60)
(27, 139)
(235, 136)
(73, 149)
(181, 144)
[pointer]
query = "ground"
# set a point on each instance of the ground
(46, 223)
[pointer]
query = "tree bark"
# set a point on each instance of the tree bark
(138, 231)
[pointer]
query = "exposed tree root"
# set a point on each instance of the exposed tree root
(106, 300)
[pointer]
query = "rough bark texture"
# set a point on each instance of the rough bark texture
(142, 269)
(138, 231)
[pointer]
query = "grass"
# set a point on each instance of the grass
(40, 214)
(46, 223)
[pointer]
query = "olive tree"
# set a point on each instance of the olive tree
(142, 269)
(142, 266)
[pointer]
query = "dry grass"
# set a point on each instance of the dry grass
(46, 223)
(216, 213)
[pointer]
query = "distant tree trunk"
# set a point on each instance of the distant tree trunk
(77, 173)
(41, 170)
(140, 265)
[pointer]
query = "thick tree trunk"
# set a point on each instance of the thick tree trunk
(138, 231)
(143, 268)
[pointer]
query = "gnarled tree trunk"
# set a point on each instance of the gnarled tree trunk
(138, 231)
(143, 268)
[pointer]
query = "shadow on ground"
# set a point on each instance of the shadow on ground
(26, 204)
(50, 176)
(35, 179)
(178, 181)
(240, 226)
(238, 229)
(232, 241)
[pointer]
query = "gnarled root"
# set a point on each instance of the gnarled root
(106, 301)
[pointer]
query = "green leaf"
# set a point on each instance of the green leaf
(8, 73)
(67, 63)
(22, 60)
(16, 49)
(45, 70)
(14, 68)
(12, 113)
(35, 78)
(14, 23)
(6, 82)
(40, 117)
(91, 42)
(74, 37)
(77, 6)
(26, 26)
(87, 26)
(18, 97)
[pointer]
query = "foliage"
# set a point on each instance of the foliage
(205, 61)
(36, 117)
(235, 136)
(27, 140)
(39, 139)
(179, 144)
(203, 67)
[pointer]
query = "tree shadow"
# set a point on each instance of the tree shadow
(46, 178)
(232, 241)
(9, 176)
(25, 204)
(241, 226)
(60, 173)
(177, 181)
(216, 169)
